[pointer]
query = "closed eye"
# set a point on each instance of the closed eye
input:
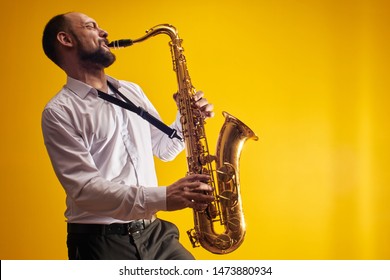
(91, 26)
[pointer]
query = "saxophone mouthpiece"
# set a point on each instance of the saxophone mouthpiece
(120, 43)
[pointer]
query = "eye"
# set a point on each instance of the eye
(90, 26)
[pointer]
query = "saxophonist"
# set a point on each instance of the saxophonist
(103, 154)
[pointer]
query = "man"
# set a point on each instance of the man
(103, 154)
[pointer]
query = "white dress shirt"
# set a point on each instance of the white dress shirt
(102, 154)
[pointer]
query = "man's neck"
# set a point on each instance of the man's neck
(96, 78)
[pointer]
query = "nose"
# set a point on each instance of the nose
(103, 33)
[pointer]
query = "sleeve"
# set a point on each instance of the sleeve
(164, 147)
(84, 185)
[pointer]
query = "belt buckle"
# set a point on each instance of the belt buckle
(135, 228)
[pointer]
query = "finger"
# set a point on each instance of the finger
(200, 198)
(197, 186)
(197, 177)
(193, 178)
(175, 96)
(209, 114)
(201, 102)
(207, 110)
(209, 107)
(198, 95)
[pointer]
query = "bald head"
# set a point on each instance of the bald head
(76, 37)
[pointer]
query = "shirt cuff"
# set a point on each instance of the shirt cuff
(155, 198)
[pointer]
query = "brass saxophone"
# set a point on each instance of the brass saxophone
(220, 228)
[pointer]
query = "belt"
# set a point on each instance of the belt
(134, 228)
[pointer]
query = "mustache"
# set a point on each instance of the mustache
(103, 41)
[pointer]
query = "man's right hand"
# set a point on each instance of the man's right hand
(191, 191)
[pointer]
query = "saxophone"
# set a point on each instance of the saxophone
(220, 228)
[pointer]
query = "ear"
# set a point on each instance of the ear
(65, 39)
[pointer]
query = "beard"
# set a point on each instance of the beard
(101, 56)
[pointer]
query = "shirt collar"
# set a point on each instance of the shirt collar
(82, 89)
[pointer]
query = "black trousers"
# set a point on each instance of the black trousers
(159, 241)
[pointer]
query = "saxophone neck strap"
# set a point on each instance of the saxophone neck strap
(128, 105)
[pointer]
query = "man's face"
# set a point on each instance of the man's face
(91, 41)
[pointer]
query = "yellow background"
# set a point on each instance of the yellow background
(309, 77)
